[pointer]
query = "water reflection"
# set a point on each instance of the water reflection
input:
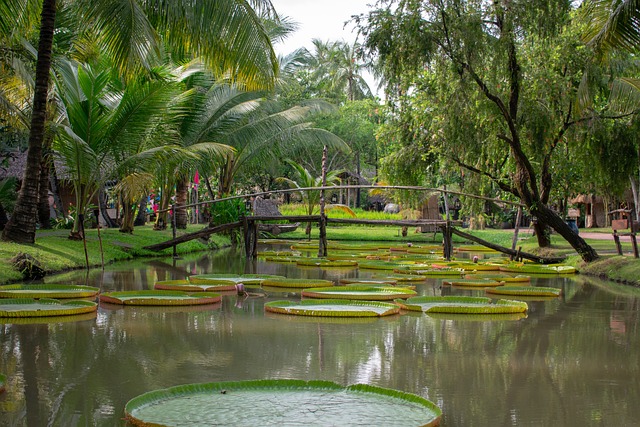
(573, 361)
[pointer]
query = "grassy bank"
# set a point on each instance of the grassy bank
(55, 252)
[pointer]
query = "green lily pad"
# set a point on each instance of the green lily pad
(29, 307)
(499, 277)
(358, 281)
(530, 291)
(159, 298)
(538, 269)
(333, 308)
(41, 320)
(225, 278)
(320, 262)
(48, 291)
(401, 278)
(280, 402)
(472, 282)
(297, 283)
(186, 286)
(431, 272)
(462, 305)
(354, 292)
(378, 265)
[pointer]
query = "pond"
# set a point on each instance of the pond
(573, 361)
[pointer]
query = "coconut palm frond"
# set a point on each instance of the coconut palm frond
(612, 24)
(341, 208)
(625, 95)
(135, 185)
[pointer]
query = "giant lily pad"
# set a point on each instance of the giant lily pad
(499, 277)
(297, 283)
(527, 291)
(280, 402)
(47, 291)
(225, 278)
(320, 262)
(358, 281)
(462, 305)
(355, 292)
(431, 272)
(187, 286)
(472, 282)
(29, 307)
(41, 320)
(538, 269)
(159, 298)
(333, 308)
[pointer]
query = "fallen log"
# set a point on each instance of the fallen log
(206, 232)
(507, 251)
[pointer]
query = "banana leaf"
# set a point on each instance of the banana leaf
(159, 298)
(333, 308)
(43, 307)
(280, 402)
(355, 292)
(48, 291)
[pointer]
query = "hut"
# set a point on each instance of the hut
(268, 207)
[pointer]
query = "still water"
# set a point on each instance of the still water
(573, 361)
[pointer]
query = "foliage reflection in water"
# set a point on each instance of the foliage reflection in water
(572, 361)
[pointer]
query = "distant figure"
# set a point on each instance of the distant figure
(475, 259)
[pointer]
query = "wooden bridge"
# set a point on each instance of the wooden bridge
(250, 226)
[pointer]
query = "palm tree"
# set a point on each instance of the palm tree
(229, 35)
(302, 178)
(99, 135)
(337, 70)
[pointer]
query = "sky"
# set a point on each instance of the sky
(320, 19)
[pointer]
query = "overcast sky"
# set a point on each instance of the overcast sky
(321, 19)
(318, 19)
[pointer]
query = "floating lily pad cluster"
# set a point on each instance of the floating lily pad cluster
(41, 302)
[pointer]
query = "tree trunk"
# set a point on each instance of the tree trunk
(21, 228)
(141, 217)
(102, 201)
(182, 187)
(3, 217)
(44, 209)
(547, 216)
(128, 216)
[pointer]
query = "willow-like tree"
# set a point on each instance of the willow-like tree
(485, 92)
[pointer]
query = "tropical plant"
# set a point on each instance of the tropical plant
(302, 178)
(99, 132)
(233, 41)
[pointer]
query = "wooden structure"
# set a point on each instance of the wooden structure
(621, 220)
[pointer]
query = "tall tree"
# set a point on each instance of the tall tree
(229, 35)
(480, 57)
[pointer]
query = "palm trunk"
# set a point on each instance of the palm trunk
(21, 228)
(182, 187)
(44, 209)
(128, 216)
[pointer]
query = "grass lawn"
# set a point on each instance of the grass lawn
(57, 253)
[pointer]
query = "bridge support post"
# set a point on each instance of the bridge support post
(447, 242)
